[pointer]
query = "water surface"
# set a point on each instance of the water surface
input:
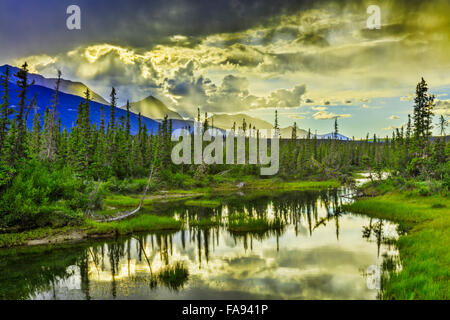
(321, 253)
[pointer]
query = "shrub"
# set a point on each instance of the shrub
(37, 191)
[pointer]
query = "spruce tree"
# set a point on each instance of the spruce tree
(111, 132)
(422, 117)
(4, 111)
(63, 148)
(128, 126)
(35, 143)
(50, 130)
(336, 128)
(18, 151)
(276, 126)
(112, 120)
(294, 132)
(205, 123)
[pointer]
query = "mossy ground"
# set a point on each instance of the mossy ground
(424, 250)
(119, 201)
(140, 223)
(208, 203)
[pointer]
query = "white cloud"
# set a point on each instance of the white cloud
(390, 128)
(296, 115)
(442, 107)
(407, 98)
(323, 115)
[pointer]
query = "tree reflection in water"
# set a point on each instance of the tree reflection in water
(113, 267)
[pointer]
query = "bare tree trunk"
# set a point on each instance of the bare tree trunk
(124, 215)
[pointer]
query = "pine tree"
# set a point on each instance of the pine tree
(119, 166)
(82, 137)
(11, 141)
(112, 120)
(18, 150)
(440, 156)
(4, 111)
(111, 132)
(99, 165)
(128, 126)
(408, 128)
(336, 128)
(442, 125)
(422, 117)
(102, 119)
(276, 126)
(35, 143)
(50, 130)
(63, 148)
(205, 123)
(294, 131)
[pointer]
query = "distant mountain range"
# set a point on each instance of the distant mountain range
(66, 86)
(286, 133)
(68, 103)
(67, 108)
(225, 121)
(331, 136)
(152, 110)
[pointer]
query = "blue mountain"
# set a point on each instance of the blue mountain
(67, 108)
(331, 136)
(66, 86)
(68, 104)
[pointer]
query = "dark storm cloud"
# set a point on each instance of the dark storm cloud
(30, 27)
(34, 27)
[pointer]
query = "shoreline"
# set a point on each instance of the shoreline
(91, 229)
(424, 253)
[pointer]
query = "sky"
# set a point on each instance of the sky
(311, 60)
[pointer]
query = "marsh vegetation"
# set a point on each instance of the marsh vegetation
(289, 245)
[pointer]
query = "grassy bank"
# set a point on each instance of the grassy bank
(90, 229)
(150, 220)
(206, 203)
(252, 183)
(424, 251)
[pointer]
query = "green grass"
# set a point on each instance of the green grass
(174, 277)
(424, 251)
(114, 203)
(207, 203)
(254, 183)
(189, 191)
(308, 185)
(140, 223)
(143, 222)
(277, 183)
(21, 238)
(120, 201)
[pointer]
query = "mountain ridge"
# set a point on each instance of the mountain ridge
(66, 86)
(153, 108)
(225, 121)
